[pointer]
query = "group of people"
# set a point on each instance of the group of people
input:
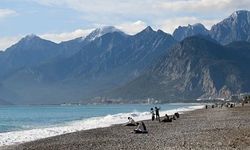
(170, 119)
(221, 105)
(155, 113)
(141, 127)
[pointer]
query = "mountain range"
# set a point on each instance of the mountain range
(195, 67)
(109, 64)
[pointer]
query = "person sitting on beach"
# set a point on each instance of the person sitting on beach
(131, 122)
(221, 106)
(177, 115)
(141, 128)
(166, 119)
(173, 117)
(153, 114)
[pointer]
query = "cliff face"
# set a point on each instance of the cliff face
(234, 28)
(183, 32)
(197, 67)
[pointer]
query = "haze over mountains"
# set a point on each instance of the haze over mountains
(194, 62)
(196, 67)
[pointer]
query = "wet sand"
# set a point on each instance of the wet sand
(218, 128)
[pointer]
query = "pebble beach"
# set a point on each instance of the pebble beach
(213, 128)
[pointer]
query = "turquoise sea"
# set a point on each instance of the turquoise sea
(26, 123)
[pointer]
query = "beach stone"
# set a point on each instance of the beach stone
(201, 129)
(219, 143)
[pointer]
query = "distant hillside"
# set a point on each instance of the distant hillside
(197, 67)
(106, 62)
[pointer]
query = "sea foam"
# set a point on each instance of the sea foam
(17, 137)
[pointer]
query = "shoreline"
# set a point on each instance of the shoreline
(20, 137)
(226, 128)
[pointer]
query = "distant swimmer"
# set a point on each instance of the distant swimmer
(141, 128)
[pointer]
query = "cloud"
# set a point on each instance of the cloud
(148, 6)
(129, 28)
(167, 14)
(6, 13)
(171, 24)
(102, 7)
(203, 6)
(66, 35)
(6, 42)
(132, 28)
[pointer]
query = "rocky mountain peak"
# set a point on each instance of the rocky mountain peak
(236, 27)
(190, 30)
(238, 13)
(31, 37)
(102, 31)
(145, 32)
(148, 29)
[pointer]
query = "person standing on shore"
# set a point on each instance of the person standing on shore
(153, 113)
(157, 113)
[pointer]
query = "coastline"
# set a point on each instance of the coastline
(226, 128)
(23, 136)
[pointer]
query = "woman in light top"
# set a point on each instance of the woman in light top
(141, 128)
(131, 122)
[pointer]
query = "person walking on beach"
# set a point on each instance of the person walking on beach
(153, 113)
(157, 113)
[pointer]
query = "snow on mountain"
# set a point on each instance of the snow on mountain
(100, 32)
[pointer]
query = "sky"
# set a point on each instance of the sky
(62, 20)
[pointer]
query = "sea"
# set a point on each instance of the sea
(20, 124)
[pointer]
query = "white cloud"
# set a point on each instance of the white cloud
(101, 6)
(132, 28)
(6, 13)
(66, 35)
(204, 6)
(129, 28)
(171, 24)
(112, 12)
(6, 42)
(139, 7)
